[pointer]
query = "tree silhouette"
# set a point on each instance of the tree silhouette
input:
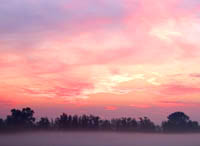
(43, 123)
(93, 122)
(20, 119)
(1, 124)
(24, 120)
(179, 122)
(124, 124)
(105, 125)
(63, 122)
(145, 124)
(84, 122)
(193, 126)
(75, 122)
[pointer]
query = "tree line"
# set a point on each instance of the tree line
(20, 120)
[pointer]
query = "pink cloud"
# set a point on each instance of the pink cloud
(6, 102)
(175, 89)
(140, 105)
(177, 104)
(171, 104)
(195, 75)
(68, 90)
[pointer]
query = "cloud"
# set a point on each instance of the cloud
(110, 108)
(177, 104)
(189, 4)
(178, 89)
(6, 103)
(46, 15)
(74, 49)
(68, 90)
(171, 104)
(195, 75)
(140, 105)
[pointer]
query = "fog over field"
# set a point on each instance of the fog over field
(98, 139)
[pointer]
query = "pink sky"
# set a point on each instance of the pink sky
(106, 57)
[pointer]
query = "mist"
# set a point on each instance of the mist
(98, 139)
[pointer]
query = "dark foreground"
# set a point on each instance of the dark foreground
(98, 139)
(24, 120)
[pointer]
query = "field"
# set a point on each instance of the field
(98, 139)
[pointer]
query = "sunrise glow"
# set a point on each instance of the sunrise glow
(105, 57)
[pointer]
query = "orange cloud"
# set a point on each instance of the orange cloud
(111, 108)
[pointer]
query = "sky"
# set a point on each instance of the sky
(110, 58)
